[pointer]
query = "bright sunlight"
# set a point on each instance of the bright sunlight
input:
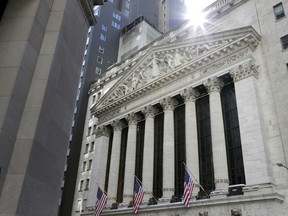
(194, 11)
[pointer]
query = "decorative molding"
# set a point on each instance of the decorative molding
(87, 7)
(189, 94)
(213, 84)
(132, 118)
(117, 125)
(149, 111)
(102, 131)
(245, 70)
(168, 103)
(221, 181)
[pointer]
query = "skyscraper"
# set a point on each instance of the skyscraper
(212, 98)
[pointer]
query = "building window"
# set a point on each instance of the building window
(122, 165)
(232, 135)
(94, 128)
(84, 166)
(93, 98)
(81, 185)
(179, 146)
(126, 13)
(111, 1)
(116, 16)
(98, 70)
(108, 161)
(139, 149)
(287, 66)
(104, 27)
(86, 148)
(92, 146)
(89, 165)
(87, 184)
(103, 37)
(205, 145)
(89, 131)
(101, 49)
(115, 25)
(79, 205)
(279, 11)
(99, 59)
(158, 155)
(284, 41)
(84, 204)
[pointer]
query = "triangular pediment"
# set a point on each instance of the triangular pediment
(162, 62)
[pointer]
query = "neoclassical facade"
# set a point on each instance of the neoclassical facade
(207, 98)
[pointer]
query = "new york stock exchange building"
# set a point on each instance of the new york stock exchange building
(213, 98)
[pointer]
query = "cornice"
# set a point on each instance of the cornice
(87, 7)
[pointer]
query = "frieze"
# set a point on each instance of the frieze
(245, 70)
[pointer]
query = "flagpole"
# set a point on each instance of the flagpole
(107, 194)
(145, 188)
(195, 179)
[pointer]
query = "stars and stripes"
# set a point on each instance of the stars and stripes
(100, 203)
(138, 195)
(188, 187)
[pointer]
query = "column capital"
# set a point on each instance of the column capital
(149, 111)
(102, 131)
(168, 103)
(132, 118)
(189, 94)
(117, 125)
(244, 70)
(213, 84)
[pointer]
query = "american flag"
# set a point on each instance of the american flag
(188, 188)
(138, 195)
(100, 203)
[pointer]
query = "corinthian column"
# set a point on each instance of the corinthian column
(148, 157)
(99, 165)
(130, 158)
(251, 131)
(192, 159)
(168, 148)
(114, 163)
(221, 178)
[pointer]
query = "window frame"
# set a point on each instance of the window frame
(99, 59)
(284, 42)
(280, 14)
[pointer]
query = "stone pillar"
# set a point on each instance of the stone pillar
(115, 160)
(148, 157)
(130, 159)
(99, 165)
(221, 178)
(252, 138)
(168, 149)
(192, 159)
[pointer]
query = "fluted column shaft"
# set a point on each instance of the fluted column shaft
(168, 149)
(192, 158)
(130, 158)
(148, 157)
(114, 163)
(251, 129)
(221, 177)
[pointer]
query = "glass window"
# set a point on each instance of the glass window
(92, 146)
(103, 37)
(116, 16)
(89, 165)
(115, 25)
(81, 185)
(89, 131)
(84, 166)
(104, 28)
(284, 41)
(79, 204)
(99, 59)
(87, 184)
(101, 49)
(86, 148)
(279, 11)
(84, 204)
(98, 70)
